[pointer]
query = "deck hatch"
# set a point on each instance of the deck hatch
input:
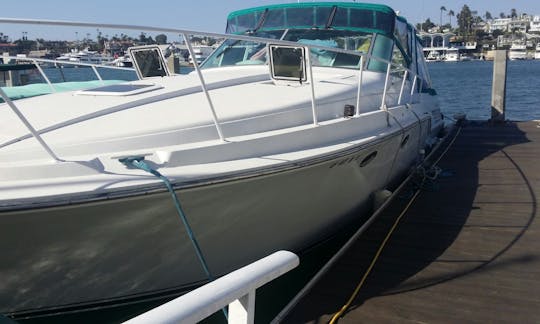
(119, 90)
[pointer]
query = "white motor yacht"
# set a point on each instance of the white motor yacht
(517, 51)
(133, 191)
(452, 55)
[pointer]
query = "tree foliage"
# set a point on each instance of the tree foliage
(465, 20)
(425, 25)
(161, 39)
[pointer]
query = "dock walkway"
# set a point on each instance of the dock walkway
(467, 249)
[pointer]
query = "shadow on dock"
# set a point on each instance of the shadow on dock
(464, 250)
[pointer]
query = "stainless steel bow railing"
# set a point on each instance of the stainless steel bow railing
(407, 73)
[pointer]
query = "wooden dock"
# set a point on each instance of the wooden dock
(467, 249)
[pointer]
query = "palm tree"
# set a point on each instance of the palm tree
(450, 14)
(440, 21)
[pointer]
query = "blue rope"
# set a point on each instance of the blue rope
(137, 162)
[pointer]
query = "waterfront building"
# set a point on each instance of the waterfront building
(534, 26)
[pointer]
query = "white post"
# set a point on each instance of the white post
(242, 310)
(359, 90)
(412, 88)
(383, 102)
(313, 108)
(97, 74)
(44, 75)
(402, 86)
(203, 86)
(28, 125)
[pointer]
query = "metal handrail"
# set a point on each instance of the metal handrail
(62, 62)
(185, 33)
(236, 289)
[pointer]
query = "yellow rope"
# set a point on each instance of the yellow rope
(383, 244)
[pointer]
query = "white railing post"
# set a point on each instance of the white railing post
(359, 90)
(44, 75)
(203, 86)
(420, 91)
(383, 102)
(242, 310)
(412, 89)
(97, 73)
(28, 125)
(402, 86)
(312, 81)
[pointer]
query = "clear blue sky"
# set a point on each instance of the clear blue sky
(203, 15)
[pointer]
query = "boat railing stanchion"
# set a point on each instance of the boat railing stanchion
(412, 89)
(312, 85)
(29, 126)
(44, 75)
(203, 86)
(359, 88)
(383, 101)
(405, 75)
(97, 73)
(420, 90)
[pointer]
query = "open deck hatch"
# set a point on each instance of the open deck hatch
(148, 61)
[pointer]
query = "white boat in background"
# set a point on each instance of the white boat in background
(537, 52)
(518, 51)
(122, 61)
(200, 53)
(452, 55)
(85, 56)
(128, 192)
(434, 56)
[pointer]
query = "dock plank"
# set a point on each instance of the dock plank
(467, 250)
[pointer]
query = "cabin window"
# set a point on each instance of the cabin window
(402, 35)
(322, 15)
(422, 68)
(234, 52)
(382, 49)
(398, 60)
(363, 18)
(358, 41)
(274, 19)
(300, 17)
(384, 22)
(243, 23)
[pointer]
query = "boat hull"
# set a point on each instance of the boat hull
(107, 251)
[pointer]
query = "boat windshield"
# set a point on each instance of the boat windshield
(234, 52)
(323, 15)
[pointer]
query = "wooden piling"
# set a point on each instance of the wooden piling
(173, 64)
(498, 90)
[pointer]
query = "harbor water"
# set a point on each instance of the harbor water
(465, 87)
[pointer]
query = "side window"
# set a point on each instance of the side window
(399, 63)
(382, 49)
(422, 68)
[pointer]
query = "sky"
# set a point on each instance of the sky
(202, 15)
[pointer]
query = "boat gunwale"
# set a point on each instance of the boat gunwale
(157, 187)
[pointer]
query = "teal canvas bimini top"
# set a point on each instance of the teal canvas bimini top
(336, 15)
